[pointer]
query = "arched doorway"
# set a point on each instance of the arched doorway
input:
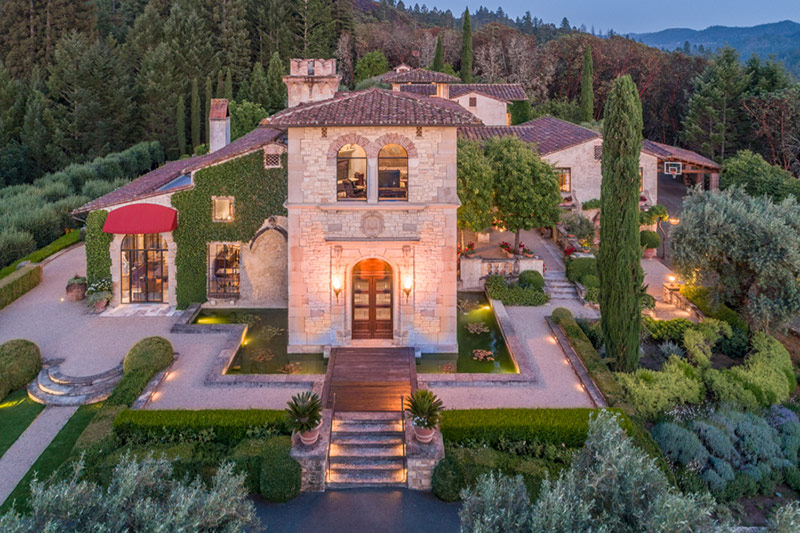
(143, 259)
(372, 300)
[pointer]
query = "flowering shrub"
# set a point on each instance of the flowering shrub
(101, 285)
(507, 247)
(467, 250)
(569, 251)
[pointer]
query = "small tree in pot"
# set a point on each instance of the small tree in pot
(304, 416)
(425, 409)
(650, 241)
(76, 288)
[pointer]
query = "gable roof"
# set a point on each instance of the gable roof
(424, 89)
(548, 133)
(508, 92)
(419, 75)
(667, 152)
(150, 183)
(375, 107)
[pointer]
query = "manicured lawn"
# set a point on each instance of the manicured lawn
(43, 253)
(17, 411)
(53, 456)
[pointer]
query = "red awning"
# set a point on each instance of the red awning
(141, 218)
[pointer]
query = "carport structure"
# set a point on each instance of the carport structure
(694, 167)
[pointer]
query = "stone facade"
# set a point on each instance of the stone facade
(328, 237)
(311, 80)
(587, 173)
(491, 111)
(421, 459)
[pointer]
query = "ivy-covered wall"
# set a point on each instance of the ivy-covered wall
(98, 254)
(258, 194)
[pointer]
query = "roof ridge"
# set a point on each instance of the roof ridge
(599, 134)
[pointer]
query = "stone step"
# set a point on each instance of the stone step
(367, 426)
(60, 389)
(565, 283)
(38, 395)
(362, 478)
(370, 450)
(368, 416)
(367, 439)
(112, 375)
(367, 463)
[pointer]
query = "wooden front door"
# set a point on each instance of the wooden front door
(372, 300)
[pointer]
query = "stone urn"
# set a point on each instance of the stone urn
(309, 438)
(76, 291)
(425, 436)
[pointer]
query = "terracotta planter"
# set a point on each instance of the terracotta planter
(100, 306)
(649, 253)
(509, 255)
(76, 292)
(309, 438)
(529, 255)
(423, 435)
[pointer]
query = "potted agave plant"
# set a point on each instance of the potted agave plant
(304, 416)
(425, 410)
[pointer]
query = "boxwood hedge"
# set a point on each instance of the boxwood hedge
(18, 283)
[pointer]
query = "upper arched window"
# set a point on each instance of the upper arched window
(393, 173)
(351, 173)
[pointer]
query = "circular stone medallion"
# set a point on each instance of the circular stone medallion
(372, 224)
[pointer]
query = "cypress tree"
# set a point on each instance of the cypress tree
(180, 122)
(208, 97)
(587, 86)
(258, 89)
(466, 49)
(220, 85)
(438, 56)
(275, 86)
(195, 114)
(619, 257)
(228, 85)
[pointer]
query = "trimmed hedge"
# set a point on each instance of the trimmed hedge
(65, 241)
(98, 247)
(532, 279)
(18, 283)
(595, 364)
(147, 358)
(514, 294)
(224, 426)
(280, 474)
(258, 194)
(20, 362)
(578, 267)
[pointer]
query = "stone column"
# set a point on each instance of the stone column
(422, 458)
(372, 180)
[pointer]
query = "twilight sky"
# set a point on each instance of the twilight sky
(638, 16)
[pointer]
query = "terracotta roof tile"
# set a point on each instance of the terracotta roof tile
(665, 151)
(419, 75)
(548, 133)
(149, 183)
(375, 107)
(508, 92)
(424, 89)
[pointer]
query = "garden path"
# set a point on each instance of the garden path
(19, 458)
(556, 384)
(655, 275)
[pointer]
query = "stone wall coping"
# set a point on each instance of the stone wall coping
(410, 240)
(595, 394)
(415, 450)
(387, 205)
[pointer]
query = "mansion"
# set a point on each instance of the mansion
(341, 208)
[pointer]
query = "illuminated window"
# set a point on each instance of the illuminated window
(393, 173)
(223, 271)
(223, 208)
(351, 173)
(564, 179)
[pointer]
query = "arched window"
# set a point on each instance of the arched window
(144, 268)
(351, 173)
(393, 173)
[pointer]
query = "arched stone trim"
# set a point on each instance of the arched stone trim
(350, 138)
(394, 138)
(271, 224)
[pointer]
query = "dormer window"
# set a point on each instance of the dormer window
(311, 67)
(222, 210)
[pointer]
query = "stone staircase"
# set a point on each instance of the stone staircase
(51, 387)
(558, 287)
(367, 450)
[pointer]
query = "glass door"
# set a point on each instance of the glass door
(372, 300)
(144, 268)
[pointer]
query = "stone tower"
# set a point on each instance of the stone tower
(311, 80)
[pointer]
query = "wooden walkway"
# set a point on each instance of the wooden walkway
(369, 379)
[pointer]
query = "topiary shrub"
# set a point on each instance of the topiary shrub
(593, 331)
(280, 474)
(579, 267)
(532, 279)
(449, 479)
(559, 314)
(147, 358)
(20, 362)
(649, 239)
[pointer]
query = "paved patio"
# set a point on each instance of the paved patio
(544, 249)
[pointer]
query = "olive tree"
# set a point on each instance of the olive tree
(526, 187)
(745, 249)
(475, 188)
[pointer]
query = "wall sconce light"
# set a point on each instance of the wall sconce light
(674, 221)
(336, 282)
(407, 284)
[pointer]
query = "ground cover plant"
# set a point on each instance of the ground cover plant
(18, 411)
(515, 293)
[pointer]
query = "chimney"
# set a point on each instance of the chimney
(219, 125)
(443, 90)
(311, 80)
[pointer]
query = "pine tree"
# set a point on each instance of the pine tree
(258, 88)
(195, 114)
(208, 96)
(438, 56)
(180, 126)
(619, 257)
(315, 28)
(160, 85)
(38, 137)
(275, 86)
(228, 85)
(233, 38)
(587, 86)
(466, 49)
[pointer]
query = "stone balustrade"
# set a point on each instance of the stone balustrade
(475, 269)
